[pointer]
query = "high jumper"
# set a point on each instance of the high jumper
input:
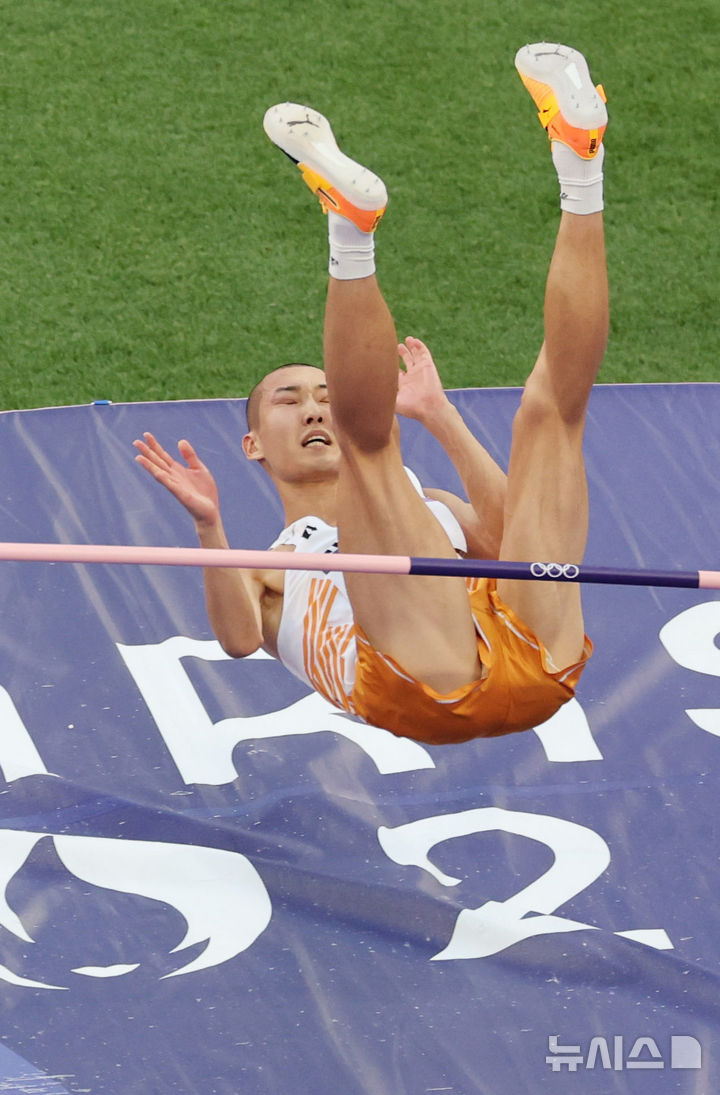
(438, 659)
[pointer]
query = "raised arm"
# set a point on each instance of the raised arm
(421, 396)
(232, 597)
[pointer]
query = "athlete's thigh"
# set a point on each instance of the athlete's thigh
(424, 623)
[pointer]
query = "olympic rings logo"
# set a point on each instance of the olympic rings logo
(568, 571)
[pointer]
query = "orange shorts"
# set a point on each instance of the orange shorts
(519, 688)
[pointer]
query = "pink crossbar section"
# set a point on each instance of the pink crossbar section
(709, 579)
(205, 557)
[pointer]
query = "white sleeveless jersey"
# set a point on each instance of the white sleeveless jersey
(316, 637)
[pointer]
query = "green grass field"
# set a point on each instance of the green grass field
(156, 246)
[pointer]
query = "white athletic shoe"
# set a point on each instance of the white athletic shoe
(570, 107)
(340, 183)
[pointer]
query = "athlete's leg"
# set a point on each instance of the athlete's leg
(546, 516)
(425, 624)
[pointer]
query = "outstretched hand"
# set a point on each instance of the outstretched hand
(420, 390)
(190, 482)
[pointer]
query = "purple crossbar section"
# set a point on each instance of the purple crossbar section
(554, 572)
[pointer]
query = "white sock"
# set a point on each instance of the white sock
(581, 181)
(352, 252)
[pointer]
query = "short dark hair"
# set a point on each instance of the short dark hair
(252, 407)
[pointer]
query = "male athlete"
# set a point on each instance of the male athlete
(438, 659)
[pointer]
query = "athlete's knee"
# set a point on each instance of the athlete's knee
(549, 408)
(367, 438)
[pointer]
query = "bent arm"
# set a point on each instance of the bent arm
(421, 396)
(233, 597)
(483, 480)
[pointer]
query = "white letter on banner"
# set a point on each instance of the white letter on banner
(219, 893)
(581, 856)
(566, 737)
(689, 639)
(202, 749)
(18, 755)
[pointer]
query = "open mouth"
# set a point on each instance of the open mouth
(316, 439)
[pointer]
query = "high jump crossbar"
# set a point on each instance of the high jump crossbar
(365, 564)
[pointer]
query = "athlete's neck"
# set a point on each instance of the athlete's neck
(303, 499)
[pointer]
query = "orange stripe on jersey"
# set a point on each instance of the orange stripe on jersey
(321, 650)
(322, 596)
(345, 636)
(325, 646)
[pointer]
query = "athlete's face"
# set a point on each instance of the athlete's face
(294, 436)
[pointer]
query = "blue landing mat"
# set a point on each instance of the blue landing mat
(214, 884)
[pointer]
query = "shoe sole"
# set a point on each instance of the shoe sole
(341, 184)
(570, 107)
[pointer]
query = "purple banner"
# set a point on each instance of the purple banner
(215, 883)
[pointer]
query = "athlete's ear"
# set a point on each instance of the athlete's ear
(251, 446)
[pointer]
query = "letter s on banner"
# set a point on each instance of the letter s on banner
(689, 639)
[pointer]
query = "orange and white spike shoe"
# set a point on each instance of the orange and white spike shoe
(570, 107)
(341, 184)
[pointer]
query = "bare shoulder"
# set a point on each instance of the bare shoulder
(270, 587)
(461, 509)
(481, 544)
(272, 581)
